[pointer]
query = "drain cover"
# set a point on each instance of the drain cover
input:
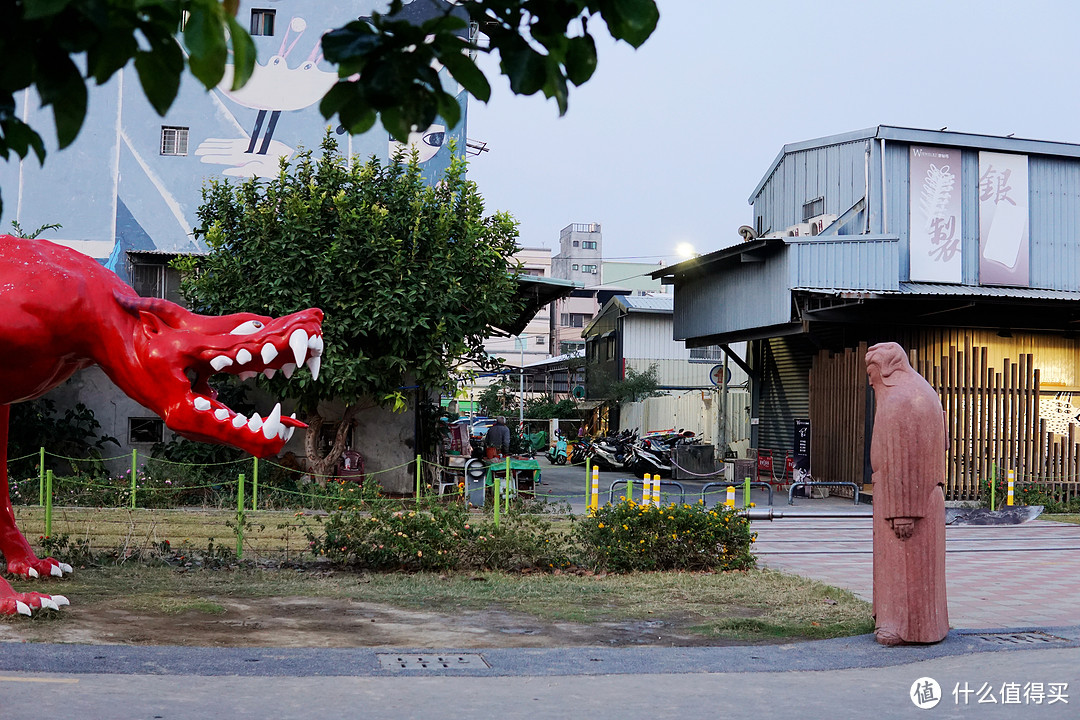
(1020, 638)
(466, 661)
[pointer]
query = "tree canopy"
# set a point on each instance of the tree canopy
(385, 62)
(410, 276)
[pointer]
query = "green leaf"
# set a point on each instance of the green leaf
(449, 109)
(580, 59)
(525, 67)
(159, 72)
(243, 53)
(467, 73)
(38, 9)
(204, 37)
(61, 85)
(630, 20)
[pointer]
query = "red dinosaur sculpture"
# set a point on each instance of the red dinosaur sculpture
(60, 311)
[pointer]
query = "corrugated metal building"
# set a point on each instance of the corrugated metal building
(934, 239)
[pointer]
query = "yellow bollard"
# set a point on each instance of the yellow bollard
(594, 497)
(646, 490)
(730, 502)
(1012, 483)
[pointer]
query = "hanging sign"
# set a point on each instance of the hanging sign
(934, 215)
(1003, 219)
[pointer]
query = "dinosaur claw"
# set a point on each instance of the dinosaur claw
(31, 572)
(60, 600)
(65, 567)
(22, 607)
(55, 571)
(49, 603)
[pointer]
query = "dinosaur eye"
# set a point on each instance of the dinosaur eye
(251, 326)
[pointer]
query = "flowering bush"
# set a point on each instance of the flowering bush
(436, 536)
(629, 536)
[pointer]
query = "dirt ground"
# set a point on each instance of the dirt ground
(329, 622)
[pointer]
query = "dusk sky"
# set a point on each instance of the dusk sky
(665, 144)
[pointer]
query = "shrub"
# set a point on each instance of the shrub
(628, 536)
(1024, 493)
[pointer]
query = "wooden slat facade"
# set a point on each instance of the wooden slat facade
(991, 417)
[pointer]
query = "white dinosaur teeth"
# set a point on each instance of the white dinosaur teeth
(283, 432)
(202, 403)
(66, 568)
(221, 362)
(48, 603)
(60, 599)
(315, 344)
(287, 370)
(273, 422)
(247, 375)
(288, 433)
(243, 357)
(255, 422)
(314, 363)
(221, 414)
(239, 421)
(55, 571)
(298, 342)
(22, 607)
(270, 373)
(269, 352)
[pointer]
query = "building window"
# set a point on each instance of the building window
(574, 319)
(145, 430)
(576, 243)
(174, 140)
(589, 269)
(813, 208)
(588, 245)
(574, 266)
(541, 340)
(262, 22)
(711, 353)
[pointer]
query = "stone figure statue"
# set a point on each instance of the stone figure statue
(907, 455)
(61, 311)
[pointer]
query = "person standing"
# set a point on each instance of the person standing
(498, 437)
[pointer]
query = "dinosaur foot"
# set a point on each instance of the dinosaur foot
(33, 567)
(12, 602)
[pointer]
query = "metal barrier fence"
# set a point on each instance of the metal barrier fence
(682, 490)
(815, 483)
(753, 483)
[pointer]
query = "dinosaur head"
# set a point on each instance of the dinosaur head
(174, 352)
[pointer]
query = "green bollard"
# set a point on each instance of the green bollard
(629, 489)
(588, 483)
(746, 493)
(240, 516)
(993, 487)
(48, 503)
(498, 484)
(255, 484)
(417, 478)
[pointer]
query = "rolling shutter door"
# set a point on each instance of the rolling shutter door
(785, 392)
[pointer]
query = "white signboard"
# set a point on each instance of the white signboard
(935, 228)
(1003, 219)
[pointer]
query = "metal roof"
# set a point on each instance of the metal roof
(925, 137)
(536, 292)
(947, 290)
(640, 303)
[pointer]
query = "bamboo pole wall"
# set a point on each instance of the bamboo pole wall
(992, 421)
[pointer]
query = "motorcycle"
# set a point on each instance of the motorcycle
(582, 451)
(556, 454)
(613, 452)
(652, 458)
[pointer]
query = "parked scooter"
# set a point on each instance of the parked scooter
(556, 454)
(652, 458)
(613, 452)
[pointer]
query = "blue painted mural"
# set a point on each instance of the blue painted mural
(132, 180)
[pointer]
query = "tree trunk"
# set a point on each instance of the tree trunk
(322, 467)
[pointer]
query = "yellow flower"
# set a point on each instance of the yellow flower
(601, 526)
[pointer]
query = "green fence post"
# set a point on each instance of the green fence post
(746, 493)
(993, 485)
(134, 459)
(507, 485)
(240, 516)
(629, 489)
(498, 483)
(417, 478)
(255, 484)
(41, 478)
(48, 503)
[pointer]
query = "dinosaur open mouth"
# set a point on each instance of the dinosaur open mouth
(246, 360)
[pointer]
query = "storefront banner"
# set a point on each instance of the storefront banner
(1003, 219)
(934, 214)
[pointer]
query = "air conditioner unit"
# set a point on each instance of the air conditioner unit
(800, 230)
(818, 223)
